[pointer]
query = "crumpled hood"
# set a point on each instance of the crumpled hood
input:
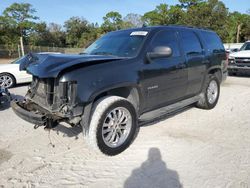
(50, 65)
(244, 53)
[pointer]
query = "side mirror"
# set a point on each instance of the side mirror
(159, 52)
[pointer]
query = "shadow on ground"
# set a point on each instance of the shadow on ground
(153, 173)
(67, 131)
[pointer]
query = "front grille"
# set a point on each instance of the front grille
(242, 61)
(42, 91)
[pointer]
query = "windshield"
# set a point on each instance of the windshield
(18, 61)
(121, 44)
(245, 46)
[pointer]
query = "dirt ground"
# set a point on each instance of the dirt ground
(195, 148)
(6, 61)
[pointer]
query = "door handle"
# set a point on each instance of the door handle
(205, 62)
(181, 66)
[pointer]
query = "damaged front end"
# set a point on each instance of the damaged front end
(53, 97)
(49, 102)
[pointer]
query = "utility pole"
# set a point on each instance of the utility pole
(18, 49)
(238, 33)
(21, 44)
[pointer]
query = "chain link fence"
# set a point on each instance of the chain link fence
(14, 51)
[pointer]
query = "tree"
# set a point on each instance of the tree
(238, 27)
(112, 21)
(19, 16)
(164, 15)
(75, 27)
(135, 20)
(9, 36)
(211, 14)
(88, 37)
(48, 35)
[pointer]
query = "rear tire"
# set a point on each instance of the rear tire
(113, 125)
(210, 94)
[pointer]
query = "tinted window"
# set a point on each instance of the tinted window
(190, 43)
(166, 38)
(213, 42)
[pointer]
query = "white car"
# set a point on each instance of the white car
(10, 75)
(240, 61)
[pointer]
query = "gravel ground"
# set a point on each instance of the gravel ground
(194, 148)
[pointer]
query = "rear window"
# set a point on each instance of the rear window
(213, 42)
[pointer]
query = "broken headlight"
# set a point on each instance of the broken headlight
(67, 92)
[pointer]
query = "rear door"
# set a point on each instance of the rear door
(195, 58)
(165, 79)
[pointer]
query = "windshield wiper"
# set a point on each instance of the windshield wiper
(103, 53)
(83, 53)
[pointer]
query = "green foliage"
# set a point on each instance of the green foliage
(211, 14)
(20, 17)
(133, 20)
(47, 35)
(112, 22)
(236, 20)
(19, 20)
(75, 27)
(164, 15)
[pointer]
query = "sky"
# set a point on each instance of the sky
(59, 11)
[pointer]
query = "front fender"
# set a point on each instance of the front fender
(94, 80)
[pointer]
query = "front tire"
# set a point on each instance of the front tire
(210, 94)
(113, 125)
(7, 80)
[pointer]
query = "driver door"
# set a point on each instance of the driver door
(165, 79)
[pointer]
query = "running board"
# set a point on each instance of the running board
(168, 109)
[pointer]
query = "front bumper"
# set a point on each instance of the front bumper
(25, 114)
(231, 67)
(242, 69)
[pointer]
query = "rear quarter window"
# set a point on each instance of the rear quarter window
(213, 42)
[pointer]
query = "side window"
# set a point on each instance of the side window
(213, 42)
(166, 38)
(190, 43)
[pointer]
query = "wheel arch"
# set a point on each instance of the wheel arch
(217, 72)
(129, 92)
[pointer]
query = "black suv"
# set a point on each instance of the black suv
(123, 77)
